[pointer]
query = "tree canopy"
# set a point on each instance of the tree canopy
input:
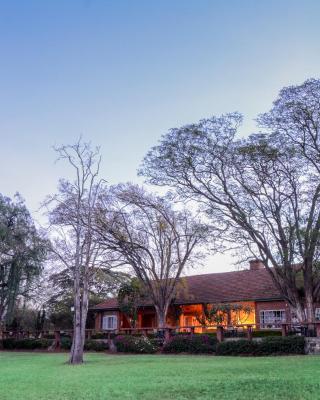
(262, 192)
(22, 254)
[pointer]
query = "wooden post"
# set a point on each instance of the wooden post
(220, 333)
(284, 329)
(57, 340)
(249, 332)
(317, 324)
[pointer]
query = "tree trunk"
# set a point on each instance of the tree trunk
(76, 354)
(309, 308)
(299, 311)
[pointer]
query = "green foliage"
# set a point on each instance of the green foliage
(26, 344)
(45, 343)
(22, 253)
(129, 298)
(66, 343)
(100, 335)
(266, 333)
(95, 345)
(190, 344)
(272, 345)
(237, 347)
(60, 313)
(134, 344)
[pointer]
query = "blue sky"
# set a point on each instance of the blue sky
(121, 73)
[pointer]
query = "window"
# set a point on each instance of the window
(188, 321)
(272, 318)
(317, 314)
(109, 322)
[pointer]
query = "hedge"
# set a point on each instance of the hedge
(193, 344)
(26, 344)
(266, 333)
(267, 346)
(134, 344)
(33, 344)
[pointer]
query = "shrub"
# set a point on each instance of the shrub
(236, 347)
(266, 333)
(282, 345)
(134, 344)
(102, 335)
(26, 344)
(95, 345)
(66, 343)
(267, 346)
(190, 344)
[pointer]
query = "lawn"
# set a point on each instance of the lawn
(39, 376)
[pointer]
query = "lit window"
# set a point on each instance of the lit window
(109, 322)
(272, 318)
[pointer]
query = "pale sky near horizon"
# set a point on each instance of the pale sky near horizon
(121, 73)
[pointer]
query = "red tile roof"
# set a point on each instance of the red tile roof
(218, 288)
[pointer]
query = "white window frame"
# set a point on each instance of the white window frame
(109, 322)
(272, 323)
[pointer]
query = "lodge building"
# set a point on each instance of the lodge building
(253, 288)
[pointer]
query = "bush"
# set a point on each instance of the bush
(26, 344)
(100, 335)
(237, 347)
(66, 343)
(95, 345)
(282, 345)
(194, 344)
(134, 344)
(266, 333)
(267, 346)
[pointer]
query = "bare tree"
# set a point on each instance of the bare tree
(263, 192)
(156, 241)
(73, 245)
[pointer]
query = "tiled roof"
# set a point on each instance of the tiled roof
(219, 287)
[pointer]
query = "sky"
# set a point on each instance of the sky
(122, 73)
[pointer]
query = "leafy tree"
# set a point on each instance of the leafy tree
(130, 296)
(22, 254)
(216, 314)
(262, 193)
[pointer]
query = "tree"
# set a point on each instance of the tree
(147, 234)
(216, 314)
(22, 254)
(130, 296)
(73, 244)
(261, 192)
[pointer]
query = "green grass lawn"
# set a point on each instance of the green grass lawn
(25, 376)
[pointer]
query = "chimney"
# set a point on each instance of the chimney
(256, 264)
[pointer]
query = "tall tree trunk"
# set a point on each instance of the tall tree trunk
(76, 354)
(162, 315)
(309, 307)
